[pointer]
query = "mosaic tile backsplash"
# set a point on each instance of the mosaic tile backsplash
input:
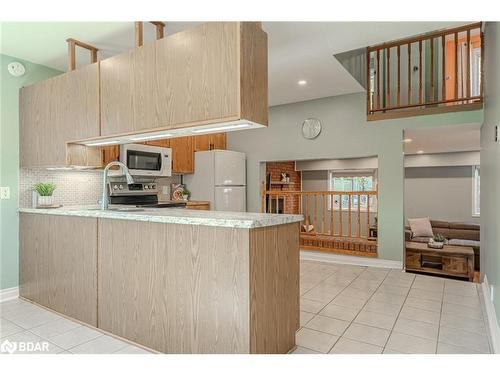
(73, 187)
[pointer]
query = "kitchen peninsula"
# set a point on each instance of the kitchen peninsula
(175, 281)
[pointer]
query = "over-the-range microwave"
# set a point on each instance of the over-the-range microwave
(144, 160)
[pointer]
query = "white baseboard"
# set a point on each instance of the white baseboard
(349, 259)
(491, 316)
(9, 293)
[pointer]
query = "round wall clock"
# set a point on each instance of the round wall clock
(16, 69)
(311, 128)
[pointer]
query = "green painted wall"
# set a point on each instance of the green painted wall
(490, 164)
(346, 134)
(9, 162)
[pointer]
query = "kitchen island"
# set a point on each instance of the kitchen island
(173, 280)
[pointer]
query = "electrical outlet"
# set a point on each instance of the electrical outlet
(4, 192)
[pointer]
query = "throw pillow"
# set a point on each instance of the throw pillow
(421, 227)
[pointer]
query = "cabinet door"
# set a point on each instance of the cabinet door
(182, 154)
(55, 111)
(58, 264)
(219, 141)
(210, 142)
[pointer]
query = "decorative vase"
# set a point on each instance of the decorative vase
(186, 197)
(45, 200)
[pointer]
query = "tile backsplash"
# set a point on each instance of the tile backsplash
(73, 187)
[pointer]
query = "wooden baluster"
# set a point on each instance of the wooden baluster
(323, 202)
(367, 215)
(443, 62)
(349, 228)
(368, 83)
(315, 217)
(340, 215)
(399, 78)
(432, 70)
(388, 104)
(306, 197)
(277, 204)
(481, 84)
(359, 217)
(378, 79)
(420, 86)
(331, 216)
(139, 31)
(284, 204)
(467, 84)
(456, 66)
(409, 74)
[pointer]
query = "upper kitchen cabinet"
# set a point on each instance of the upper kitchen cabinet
(55, 111)
(213, 73)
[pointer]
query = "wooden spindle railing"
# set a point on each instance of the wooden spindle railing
(456, 89)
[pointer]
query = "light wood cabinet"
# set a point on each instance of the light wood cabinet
(58, 264)
(182, 154)
(208, 142)
(211, 73)
(55, 111)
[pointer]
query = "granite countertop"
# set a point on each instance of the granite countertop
(174, 216)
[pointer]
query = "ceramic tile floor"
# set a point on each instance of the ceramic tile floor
(344, 309)
(361, 310)
(21, 321)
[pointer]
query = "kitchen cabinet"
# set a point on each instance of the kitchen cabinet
(198, 205)
(58, 264)
(212, 73)
(208, 142)
(182, 154)
(55, 111)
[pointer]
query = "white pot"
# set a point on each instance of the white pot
(45, 201)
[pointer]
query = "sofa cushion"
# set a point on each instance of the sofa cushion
(461, 242)
(421, 227)
(440, 224)
(467, 226)
(465, 234)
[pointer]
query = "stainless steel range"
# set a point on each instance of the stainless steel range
(142, 193)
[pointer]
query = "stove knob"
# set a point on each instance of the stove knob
(154, 186)
(121, 187)
(115, 187)
(146, 187)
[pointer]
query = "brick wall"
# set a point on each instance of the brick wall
(292, 205)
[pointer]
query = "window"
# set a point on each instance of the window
(357, 182)
(476, 189)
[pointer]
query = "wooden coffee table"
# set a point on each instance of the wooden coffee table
(457, 261)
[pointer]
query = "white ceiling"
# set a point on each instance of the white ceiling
(444, 139)
(297, 50)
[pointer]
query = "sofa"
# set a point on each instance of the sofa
(457, 234)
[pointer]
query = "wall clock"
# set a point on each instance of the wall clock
(311, 128)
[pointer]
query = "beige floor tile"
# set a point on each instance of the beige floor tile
(75, 337)
(348, 346)
(423, 304)
(8, 328)
(54, 328)
(356, 293)
(412, 313)
(388, 298)
(444, 348)
(375, 319)
(458, 337)
(367, 285)
(315, 340)
(130, 349)
(391, 351)
(35, 318)
(382, 308)
(339, 312)
(345, 301)
(323, 294)
(40, 345)
(425, 294)
(431, 286)
(367, 334)
(470, 301)
(392, 289)
(305, 317)
(337, 281)
(101, 345)
(410, 344)
(328, 325)
(466, 324)
(464, 311)
(311, 306)
(416, 328)
(462, 290)
(301, 350)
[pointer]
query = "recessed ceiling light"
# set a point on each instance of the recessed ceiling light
(407, 140)
(302, 82)
(420, 152)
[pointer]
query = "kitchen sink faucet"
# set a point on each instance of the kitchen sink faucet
(128, 176)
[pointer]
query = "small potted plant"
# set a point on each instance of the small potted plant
(45, 191)
(186, 193)
(437, 242)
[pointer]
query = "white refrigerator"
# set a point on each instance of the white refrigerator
(219, 177)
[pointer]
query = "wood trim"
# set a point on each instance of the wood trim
(409, 74)
(425, 112)
(458, 101)
(339, 251)
(72, 43)
(139, 33)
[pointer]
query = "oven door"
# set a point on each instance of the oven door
(143, 160)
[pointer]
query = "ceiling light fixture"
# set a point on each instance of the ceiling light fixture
(103, 143)
(420, 152)
(302, 82)
(218, 128)
(407, 140)
(155, 136)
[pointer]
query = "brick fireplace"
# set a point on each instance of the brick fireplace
(275, 169)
